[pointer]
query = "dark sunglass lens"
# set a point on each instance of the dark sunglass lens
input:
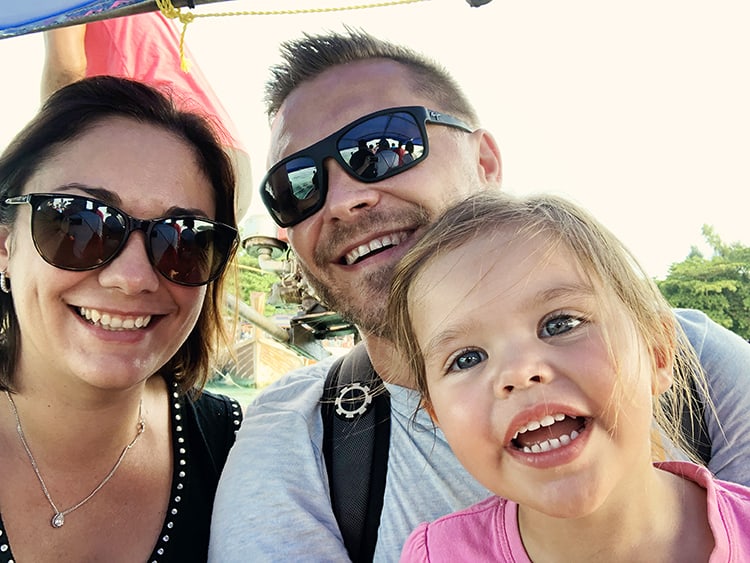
(76, 233)
(190, 251)
(382, 145)
(293, 189)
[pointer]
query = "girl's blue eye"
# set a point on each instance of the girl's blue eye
(559, 325)
(468, 359)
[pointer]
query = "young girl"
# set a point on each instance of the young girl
(549, 359)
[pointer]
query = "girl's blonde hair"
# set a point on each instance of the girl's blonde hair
(601, 256)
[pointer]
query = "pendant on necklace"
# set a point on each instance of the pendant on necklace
(58, 520)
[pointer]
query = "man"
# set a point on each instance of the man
(273, 502)
(363, 161)
(387, 158)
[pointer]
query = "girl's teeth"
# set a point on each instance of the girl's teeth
(547, 420)
(551, 444)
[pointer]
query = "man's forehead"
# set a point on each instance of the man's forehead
(336, 97)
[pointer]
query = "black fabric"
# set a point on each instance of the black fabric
(694, 426)
(209, 423)
(356, 450)
(202, 432)
(214, 423)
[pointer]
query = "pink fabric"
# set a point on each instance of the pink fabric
(488, 531)
(146, 47)
(728, 511)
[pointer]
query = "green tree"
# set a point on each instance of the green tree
(251, 279)
(719, 286)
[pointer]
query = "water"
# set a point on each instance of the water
(243, 395)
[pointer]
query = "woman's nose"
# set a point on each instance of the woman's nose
(131, 270)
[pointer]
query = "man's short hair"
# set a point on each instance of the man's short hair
(309, 56)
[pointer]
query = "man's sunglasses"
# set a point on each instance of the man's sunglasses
(78, 233)
(372, 148)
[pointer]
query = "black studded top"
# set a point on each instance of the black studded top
(203, 431)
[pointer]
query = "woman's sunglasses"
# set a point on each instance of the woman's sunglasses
(77, 233)
(370, 149)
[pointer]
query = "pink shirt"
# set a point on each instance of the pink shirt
(488, 531)
(146, 47)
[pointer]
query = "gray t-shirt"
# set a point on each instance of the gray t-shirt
(273, 500)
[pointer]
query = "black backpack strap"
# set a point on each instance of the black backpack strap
(694, 427)
(356, 414)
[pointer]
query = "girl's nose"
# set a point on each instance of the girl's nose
(523, 366)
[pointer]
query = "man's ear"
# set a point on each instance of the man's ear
(490, 163)
(5, 243)
(663, 354)
(427, 406)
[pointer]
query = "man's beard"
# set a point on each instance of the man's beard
(365, 302)
(369, 310)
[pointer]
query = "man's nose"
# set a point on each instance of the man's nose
(348, 197)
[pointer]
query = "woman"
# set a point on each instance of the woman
(116, 223)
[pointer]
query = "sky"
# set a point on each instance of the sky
(637, 110)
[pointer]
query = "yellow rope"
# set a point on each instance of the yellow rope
(167, 8)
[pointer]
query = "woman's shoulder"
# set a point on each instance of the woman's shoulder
(215, 410)
(216, 402)
(210, 422)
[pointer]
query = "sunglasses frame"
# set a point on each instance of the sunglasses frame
(131, 224)
(327, 147)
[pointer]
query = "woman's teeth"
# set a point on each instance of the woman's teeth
(109, 321)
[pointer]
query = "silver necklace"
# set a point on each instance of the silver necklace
(58, 518)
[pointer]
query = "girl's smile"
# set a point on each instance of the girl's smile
(522, 377)
(551, 432)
